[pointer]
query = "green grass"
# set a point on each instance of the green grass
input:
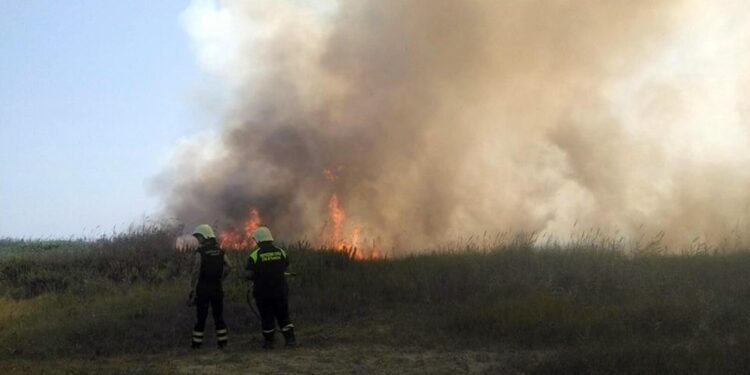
(12, 247)
(595, 308)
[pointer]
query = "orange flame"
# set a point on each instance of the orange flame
(252, 223)
(355, 236)
(337, 216)
(236, 240)
(334, 237)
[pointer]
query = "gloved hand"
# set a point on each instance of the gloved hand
(191, 299)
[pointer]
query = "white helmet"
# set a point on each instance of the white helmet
(204, 230)
(262, 234)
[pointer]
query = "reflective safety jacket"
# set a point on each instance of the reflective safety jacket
(267, 264)
(212, 265)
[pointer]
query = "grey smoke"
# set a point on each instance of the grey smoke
(443, 119)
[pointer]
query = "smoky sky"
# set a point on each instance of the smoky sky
(433, 120)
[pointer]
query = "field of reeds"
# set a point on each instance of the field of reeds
(117, 305)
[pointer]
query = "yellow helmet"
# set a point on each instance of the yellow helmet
(204, 230)
(262, 234)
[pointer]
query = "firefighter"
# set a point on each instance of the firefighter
(211, 267)
(266, 266)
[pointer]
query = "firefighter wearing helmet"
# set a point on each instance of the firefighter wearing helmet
(210, 269)
(266, 267)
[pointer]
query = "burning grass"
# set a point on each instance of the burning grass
(333, 234)
(593, 308)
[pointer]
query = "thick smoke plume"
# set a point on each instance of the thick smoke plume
(432, 120)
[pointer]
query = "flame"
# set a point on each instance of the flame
(237, 240)
(355, 236)
(252, 223)
(336, 216)
(336, 239)
(333, 235)
(230, 239)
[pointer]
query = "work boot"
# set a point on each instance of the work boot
(222, 344)
(268, 340)
(195, 345)
(289, 339)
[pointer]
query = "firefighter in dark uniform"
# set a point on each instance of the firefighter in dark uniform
(266, 267)
(210, 269)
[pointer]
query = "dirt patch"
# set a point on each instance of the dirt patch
(355, 359)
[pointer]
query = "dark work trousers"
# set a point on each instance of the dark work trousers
(272, 310)
(213, 296)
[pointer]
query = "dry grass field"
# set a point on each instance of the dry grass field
(116, 305)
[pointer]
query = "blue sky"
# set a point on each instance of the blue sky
(93, 96)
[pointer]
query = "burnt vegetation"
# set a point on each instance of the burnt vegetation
(582, 308)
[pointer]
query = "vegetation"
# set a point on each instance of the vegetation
(582, 308)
